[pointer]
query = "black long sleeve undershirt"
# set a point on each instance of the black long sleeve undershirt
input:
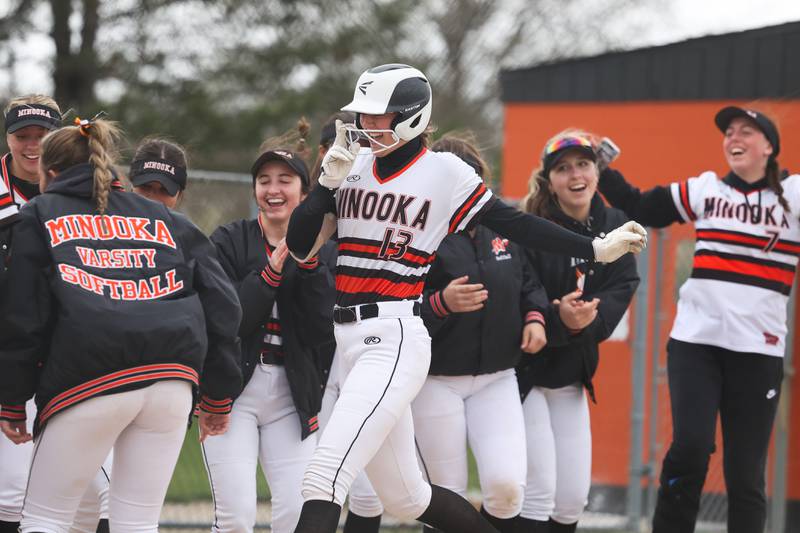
(534, 232)
(525, 229)
(306, 220)
(653, 208)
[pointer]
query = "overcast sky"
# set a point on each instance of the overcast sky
(686, 19)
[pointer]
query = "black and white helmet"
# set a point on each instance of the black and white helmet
(393, 88)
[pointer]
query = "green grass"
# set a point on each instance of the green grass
(190, 481)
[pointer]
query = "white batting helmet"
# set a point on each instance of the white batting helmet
(393, 88)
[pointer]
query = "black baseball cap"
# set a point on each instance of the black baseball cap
(24, 115)
(727, 114)
(558, 148)
(168, 174)
(292, 159)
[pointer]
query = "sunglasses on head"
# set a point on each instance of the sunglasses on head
(566, 142)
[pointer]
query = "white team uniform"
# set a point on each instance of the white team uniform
(746, 251)
(388, 231)
(15, 460)
(263, 429)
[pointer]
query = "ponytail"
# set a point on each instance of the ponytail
(773, 175)
(89, 141)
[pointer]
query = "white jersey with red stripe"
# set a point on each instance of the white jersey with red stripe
(745, 258)
(389, 229)
(11, 198)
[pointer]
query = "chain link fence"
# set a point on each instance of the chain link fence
(677, 245)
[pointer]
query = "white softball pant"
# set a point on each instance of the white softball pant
(15, 462)
(485, 411)
(362, 499)
(559, 453)
(383, 362)
(145, 427)
(264, 428)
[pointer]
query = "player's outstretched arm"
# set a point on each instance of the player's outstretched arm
(654, 207)
(535, 232)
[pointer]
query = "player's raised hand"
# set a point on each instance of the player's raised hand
(463, 297)
(278, 256)
(630, 237)
(337, 162)
(16, 431)
(211, 424)
(575, 313)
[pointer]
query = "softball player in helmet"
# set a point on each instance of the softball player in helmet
(27, 120)
(392, 208)
(286, 327)
(119, 308)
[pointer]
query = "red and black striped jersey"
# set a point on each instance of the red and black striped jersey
(14, 192)
(744, 264)
(389, 228)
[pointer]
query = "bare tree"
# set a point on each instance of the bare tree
(75, 67)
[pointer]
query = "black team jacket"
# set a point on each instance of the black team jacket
(305, 296)
(11, 188)
(487, 340)
(572, 357)
(104, 304)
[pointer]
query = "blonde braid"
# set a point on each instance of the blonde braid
(101, 136)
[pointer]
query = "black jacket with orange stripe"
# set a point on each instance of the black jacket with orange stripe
(104, 304)
(487, 340)
(572, 356)
(305, 296)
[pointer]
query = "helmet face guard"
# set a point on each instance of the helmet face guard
(356, 134)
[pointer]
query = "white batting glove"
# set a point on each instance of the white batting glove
(630, 237)
(337, 162)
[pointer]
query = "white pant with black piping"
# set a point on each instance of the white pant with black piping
(383, 363)
(264, 428)
(484, 411)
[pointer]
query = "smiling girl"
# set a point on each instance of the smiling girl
(286, 323)
(588, 300)
(725, 352)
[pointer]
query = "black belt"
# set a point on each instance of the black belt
(345, 315)
(269, 357)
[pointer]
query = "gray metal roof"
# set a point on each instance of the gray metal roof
(760, 63)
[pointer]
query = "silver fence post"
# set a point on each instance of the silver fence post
(634, 499)
(777, 511)
(656, 376)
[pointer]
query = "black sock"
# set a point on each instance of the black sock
(102, 526)
(318, 516)
(451, 513)
(557, 527)
(527, 525)
(361, 524)
(9, 527)
(503, 525)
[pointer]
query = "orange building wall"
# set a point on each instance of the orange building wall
(660, 143)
